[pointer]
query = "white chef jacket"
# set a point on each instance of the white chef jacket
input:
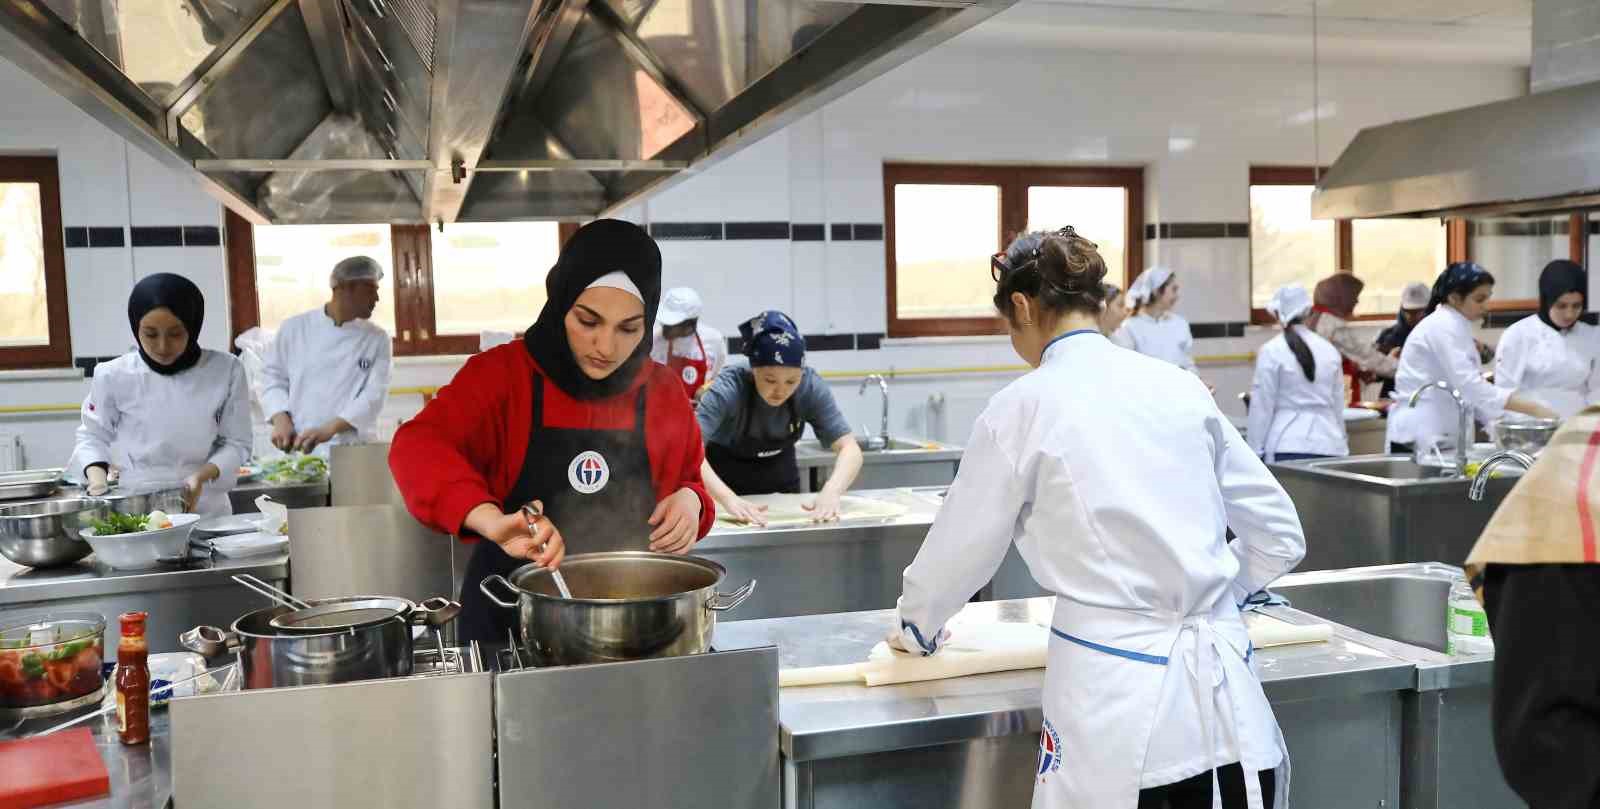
(318, 371)
(716, 353)
(161, 429)
(1558, 370)
(1441, 347)
(1118, 478)
(1166, 339)
(1290, 414)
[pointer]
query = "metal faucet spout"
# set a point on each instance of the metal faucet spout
(1465, 434)
(1480, 481)
(883, 389)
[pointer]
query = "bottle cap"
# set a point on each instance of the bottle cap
(133, 622)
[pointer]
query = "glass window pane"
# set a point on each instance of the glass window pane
(489, 276)
(1390, 253)
(293, 263)
(1287, 246)
(1593, 258)
(944, 236)
(24, 309)
(1099, 214)
(1516, 250)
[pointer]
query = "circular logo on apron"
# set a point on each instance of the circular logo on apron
(689, 375)
(588, 473)
(1049, 750)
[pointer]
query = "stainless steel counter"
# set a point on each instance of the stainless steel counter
(141, 775)
(906, 462)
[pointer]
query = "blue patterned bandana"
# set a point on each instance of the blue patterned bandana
(772, 338)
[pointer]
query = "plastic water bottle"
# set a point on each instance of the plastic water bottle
(1466, 624)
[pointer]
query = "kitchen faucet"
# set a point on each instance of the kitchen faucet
(1464, 437)
(883, 388)
(1480, 481)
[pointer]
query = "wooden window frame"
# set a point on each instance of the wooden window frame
(57, 352)
(411, 287)
(1013, 182)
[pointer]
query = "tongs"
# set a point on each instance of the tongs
(533, 514)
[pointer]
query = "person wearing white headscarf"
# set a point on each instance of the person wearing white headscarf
(1297, 396)
(1154, 329)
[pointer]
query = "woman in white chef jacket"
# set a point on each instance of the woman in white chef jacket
(170, 411)
(1118, 479)
(1553, 356)
(1154, 329)
(1442, 348)
(1297, 397)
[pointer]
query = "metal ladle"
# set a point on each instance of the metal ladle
(533, 515)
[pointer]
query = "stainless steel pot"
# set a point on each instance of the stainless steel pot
(270, 657)
(1525, 434)
(48, 533)
(628, 605)
(145, 499)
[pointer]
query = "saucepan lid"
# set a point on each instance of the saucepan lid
(341, 614)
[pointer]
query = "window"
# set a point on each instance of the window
(34, 331)
(440, 289)
(1516, 249)
(1287, 246)
(942, 224)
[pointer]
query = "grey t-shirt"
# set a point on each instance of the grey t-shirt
(721, 406)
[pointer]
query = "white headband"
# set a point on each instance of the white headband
(617, 280)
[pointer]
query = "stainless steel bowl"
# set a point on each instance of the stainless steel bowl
(145, 499)
(1525, 434)
(48, 533)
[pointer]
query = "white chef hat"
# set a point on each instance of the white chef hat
(1144, 287)
(618, 280)
(677, 305)
(1289, 303)
(1415, 296)
(355, 268)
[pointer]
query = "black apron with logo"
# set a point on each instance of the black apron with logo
(759, 464)
(597, 489)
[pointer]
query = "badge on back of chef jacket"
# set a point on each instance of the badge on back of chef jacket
(365, 363)
(588, 473)
(1049, 750)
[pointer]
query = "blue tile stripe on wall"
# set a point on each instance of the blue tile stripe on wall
(1197, 230)
(143, 236)
(767, 231)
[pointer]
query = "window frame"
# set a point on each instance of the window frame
(1013, 182)
(44, 170)
(411, 286)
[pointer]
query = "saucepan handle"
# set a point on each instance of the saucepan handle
(483, 586)
(722, 603)
(208, 641)
(436, 611)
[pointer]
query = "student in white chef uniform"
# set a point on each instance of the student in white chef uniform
(327, 374)
(1117, 478)
(1297, 397)
(170, 411)
(1154, 329)
(1442, 348)
(1553, 356)
(695, 352)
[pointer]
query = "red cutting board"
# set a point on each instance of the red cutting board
(64, 766)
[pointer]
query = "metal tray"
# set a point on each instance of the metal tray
(29, 483)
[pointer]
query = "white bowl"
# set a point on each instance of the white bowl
(144, 549)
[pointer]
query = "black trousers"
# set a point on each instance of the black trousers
(1195, 793)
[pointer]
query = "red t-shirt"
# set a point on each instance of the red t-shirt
(466, 447)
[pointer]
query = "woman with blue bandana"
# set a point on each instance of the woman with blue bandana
(753, 416)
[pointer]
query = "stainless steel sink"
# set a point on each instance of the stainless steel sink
(1406, 606)
(903, 462)
(875, 444)
(1388, 468)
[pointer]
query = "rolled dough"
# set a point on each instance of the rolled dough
(788, 510)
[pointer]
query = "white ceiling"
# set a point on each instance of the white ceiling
(1516, 14)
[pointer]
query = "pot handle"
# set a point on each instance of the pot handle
(483, 586)
(208, 641)
(436, 611)
(722, 603)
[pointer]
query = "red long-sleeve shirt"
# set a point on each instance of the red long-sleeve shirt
(466, 447)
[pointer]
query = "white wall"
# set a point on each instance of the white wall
(1195, 109)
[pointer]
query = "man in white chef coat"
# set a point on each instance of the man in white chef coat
(327, 374)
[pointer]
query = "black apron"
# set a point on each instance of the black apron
(596, 487)
(759, 464)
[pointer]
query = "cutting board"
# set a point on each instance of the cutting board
(788, 510)
(63, 766)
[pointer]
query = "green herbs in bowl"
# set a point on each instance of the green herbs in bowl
(115, 523)
(295, 468)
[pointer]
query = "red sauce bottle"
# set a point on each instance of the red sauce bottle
(133, 681)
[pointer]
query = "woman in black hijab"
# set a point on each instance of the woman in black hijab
(169, 411)
(1554, 357)
(575, 421)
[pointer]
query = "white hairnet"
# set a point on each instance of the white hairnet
(1144, 287)
(618, 280)
(1415, 296)
(355, 268)
(1289, 303)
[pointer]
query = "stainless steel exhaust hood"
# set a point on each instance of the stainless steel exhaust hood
(1536, 154)
(435, 111)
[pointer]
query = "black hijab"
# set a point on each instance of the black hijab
(597, 249)
(180, 296)
(1559, 278)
